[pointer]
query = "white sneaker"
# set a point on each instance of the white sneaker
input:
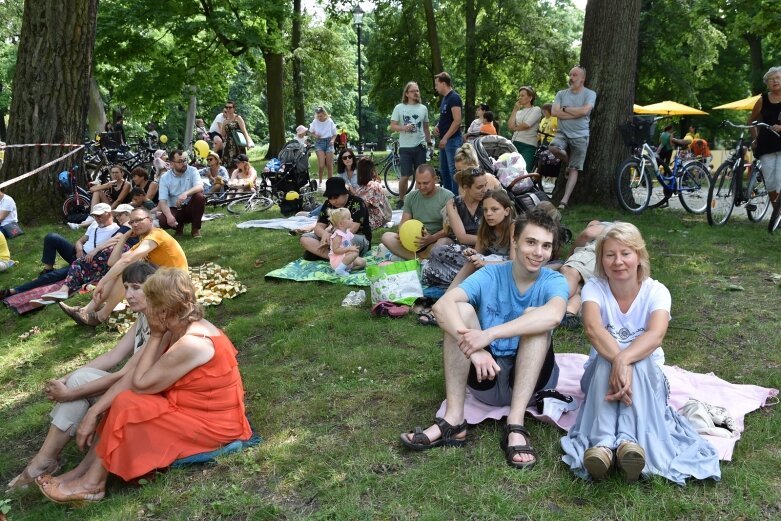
(55, 296)
(42, 302)
(74, 226)
(348, 300)
(360, 298)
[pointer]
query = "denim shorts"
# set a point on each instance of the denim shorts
(411, 158)
(324, 145)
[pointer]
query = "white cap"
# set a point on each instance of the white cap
(124, 208)
(100, 209)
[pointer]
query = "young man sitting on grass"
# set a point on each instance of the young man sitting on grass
(497, 327)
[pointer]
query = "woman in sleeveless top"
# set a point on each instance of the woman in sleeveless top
(232, 124)
(115, 192)
(766, 144)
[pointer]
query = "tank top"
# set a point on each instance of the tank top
(116, 190)
(471, 222)
(767, 142)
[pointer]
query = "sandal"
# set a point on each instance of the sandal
(631, 459)
(570, 321)
(512, 450)
(427, 319)
(598, 462)
(21, 481)
(447, 438)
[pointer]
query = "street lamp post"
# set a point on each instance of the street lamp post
(358, 21)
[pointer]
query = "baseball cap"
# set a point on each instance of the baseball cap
(100, 209)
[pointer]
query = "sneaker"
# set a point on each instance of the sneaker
(74, 226)
(42, 301)
(196, 234)
(55, 295)
(360, 297)
(349, 299)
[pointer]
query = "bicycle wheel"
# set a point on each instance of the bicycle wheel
(69, 207)
(391, 173)
(758, 200)
(721, 194)
(693, 187)
(775, 220)
(253, 204)
(633, 185)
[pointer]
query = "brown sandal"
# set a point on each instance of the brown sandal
(447, 438)
(512, 450)
(21, 481)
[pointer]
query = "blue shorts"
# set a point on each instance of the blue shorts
(324, 145)
(411, 158)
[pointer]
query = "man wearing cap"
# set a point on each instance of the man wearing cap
(337, 196)
(99, 232)
(214, 176)
(8, 215)
(425, 204)
(181, 196)
(154, 245)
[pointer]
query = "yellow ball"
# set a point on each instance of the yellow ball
(291, 196)
(201, 148)
(409, 233)
(163, 139)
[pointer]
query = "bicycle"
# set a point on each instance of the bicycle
(263, 197)
(390, 168)
(727, 190)
(78, 200)
(688, 179)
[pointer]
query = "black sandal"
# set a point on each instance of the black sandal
(427, 319)
(512, 450)
(570, 321)
(447, 438)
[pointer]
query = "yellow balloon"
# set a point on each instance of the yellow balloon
(409, 233)
(201, 148)
(163, 139)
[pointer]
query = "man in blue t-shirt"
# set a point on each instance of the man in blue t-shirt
(448, 129)
(497, 326)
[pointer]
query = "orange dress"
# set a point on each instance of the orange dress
(201, 412)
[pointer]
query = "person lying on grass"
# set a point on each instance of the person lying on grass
(497, 327)
(76, 391)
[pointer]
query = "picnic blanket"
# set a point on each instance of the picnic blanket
(20, 302)
(738, 399)
(300, 222)
(302, 270)
(212, 282)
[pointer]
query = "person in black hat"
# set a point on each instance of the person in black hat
(337, 196)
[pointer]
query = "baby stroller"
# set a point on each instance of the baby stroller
(524, 189)
(291, 175)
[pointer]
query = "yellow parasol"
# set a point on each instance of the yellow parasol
(672, 108)
(741, 104)
(639, 109)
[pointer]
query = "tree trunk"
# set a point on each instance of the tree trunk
(757, 63)
(298, 76)
(275, 111)
(433, 38)
(49, 104)
(189, 123)
(471, 58)
(609, 54)
(96, 111)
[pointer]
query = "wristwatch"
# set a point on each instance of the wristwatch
(564, 108)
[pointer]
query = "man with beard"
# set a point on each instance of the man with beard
(181, 196)
(410, 120)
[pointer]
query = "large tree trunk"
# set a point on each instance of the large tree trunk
(471, 58)
(609, 54)
(96, 111)
(433, 38)
(756, 61)
(50, 98)
(298, 75)
(276, 114)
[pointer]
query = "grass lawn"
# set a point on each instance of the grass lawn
(330, 389)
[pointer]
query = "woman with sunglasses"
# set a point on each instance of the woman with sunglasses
(231, 127)
(345, 167)
(115, 192)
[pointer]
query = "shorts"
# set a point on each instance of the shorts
(324, 145)
(358, 240)
(499, 391)
(576, 149)
(771, 171)
(411, 158)
(583, 260)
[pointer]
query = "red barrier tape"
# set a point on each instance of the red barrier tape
(44, 167)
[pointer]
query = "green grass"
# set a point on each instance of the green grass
(330, 389)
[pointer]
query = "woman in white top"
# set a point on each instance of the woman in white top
(323, 130)
(624, 420)
(524, 121)
(474, 128)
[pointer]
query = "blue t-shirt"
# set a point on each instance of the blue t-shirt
(172, 185)
(492, 291)
(446, 113)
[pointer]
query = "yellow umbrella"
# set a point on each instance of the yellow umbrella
(741, 104)
(639, 109)
(671, 108)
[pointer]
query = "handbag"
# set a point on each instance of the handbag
(12, 230)
(397, 282)
(238, 138)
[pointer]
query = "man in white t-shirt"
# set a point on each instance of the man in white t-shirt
(7, 214)
(214, 131)
(410, 120)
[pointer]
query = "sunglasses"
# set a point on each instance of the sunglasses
(348, 156)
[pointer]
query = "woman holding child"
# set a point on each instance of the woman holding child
(185, 393)
(625, 421)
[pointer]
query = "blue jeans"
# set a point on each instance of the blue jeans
(44, 280)
(447, 162)
(53, 244)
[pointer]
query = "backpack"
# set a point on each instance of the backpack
(700, 148)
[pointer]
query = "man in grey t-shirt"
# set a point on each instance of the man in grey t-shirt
(410, 120)
(572, 107)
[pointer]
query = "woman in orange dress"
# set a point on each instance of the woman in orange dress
(184, 396)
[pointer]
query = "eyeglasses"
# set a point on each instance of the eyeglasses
(136, 221)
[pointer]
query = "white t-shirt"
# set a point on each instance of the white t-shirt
(325, 129)
(626, 327)
(97, 235)
(217, 122)
(531, 116)
(7, 204)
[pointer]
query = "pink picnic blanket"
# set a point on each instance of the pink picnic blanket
(738, 399)
(20, 302)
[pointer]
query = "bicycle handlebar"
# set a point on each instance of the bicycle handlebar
(754, 124)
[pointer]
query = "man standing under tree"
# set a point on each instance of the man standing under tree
(448, 129)
(410, 120)
(572, 107)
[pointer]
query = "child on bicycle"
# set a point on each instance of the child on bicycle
(343, 256)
